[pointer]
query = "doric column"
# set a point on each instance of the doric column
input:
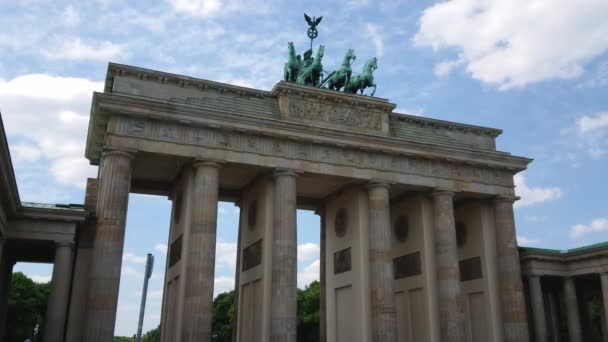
(284, 259)
(200, 254)
(571, 301)
(56, 312)
(322, 281)
(449, 290)
(512, 300)
(538, 308)
(113, 199)
(237, 273)
(604, 280)
(384, 314)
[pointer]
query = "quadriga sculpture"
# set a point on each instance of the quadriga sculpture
(341, 77)
(366, 79)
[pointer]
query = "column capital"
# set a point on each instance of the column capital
(280, 172)
(118, 153)
(206, 163)
(374, 184)
(64, 244)
(442, 192)
(505, 198)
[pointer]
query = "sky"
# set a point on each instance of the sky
(537, 69)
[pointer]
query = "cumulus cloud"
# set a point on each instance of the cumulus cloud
(526, 241)
(517, 42)
(222, 284)
(531, 195)
(74, 49)
(49, 113)
(599, 225)
(374, 32)
(588, 124)
(309, 274)
(197, 8)
(308, 251)
(70, 16)
(161, 248)
(225, 254)
(131, 257)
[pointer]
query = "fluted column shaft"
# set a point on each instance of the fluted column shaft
(237, 273)
(113, 199)
(56, 312)
(384, 314)
(512, 300)
(200, 254)
(572, 314)
(322, 280)
(538, 308)
(604, 280)
(6, 273)
(449, 291)
(284, 259)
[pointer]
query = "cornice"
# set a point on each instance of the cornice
(448, 125)
(109, 104)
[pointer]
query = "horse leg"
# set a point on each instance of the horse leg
(374, 91)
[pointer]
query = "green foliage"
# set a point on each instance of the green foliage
(123, 339)
(26, 307)
(223, 313)
(308, 313)
(152, 335)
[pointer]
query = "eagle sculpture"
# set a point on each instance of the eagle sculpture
(312, 22)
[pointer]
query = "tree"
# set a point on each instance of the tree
(223, 313)
(308, 313)
(26, 307)
(152, 335)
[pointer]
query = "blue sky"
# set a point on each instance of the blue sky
(538, 69)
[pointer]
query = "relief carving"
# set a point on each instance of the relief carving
(338, 115)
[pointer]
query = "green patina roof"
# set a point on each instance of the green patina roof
(51, 206)
(589, 248)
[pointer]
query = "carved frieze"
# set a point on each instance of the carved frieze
(247, 142)
(338, 115)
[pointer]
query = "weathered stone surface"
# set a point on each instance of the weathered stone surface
(449, 292)
(574, 320)
(200, 254)
(115, 181)
(538, 308)
(57, 308)
(509, 274)
(384, 314)
(284, 259)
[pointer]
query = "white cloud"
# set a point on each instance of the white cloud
(50, 113)
(373, 31)
(131, 272)
(161, 248)
(25, 152)
(225, 254)
(599, 225)
(518, 42)
(222, 284)
(74, 49)
(444, 68)
(587, 124)
(197, 8)
(70, 15)
(131, 257)
(534, 195)
(526, 241)
(308, 251)
(309, 274)
(37, 278)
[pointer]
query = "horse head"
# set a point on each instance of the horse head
(371, 65)
(320, 52)
(350, 56)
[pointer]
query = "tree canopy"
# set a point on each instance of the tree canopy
(26, 307)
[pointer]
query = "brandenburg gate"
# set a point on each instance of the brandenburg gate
(417, 228)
